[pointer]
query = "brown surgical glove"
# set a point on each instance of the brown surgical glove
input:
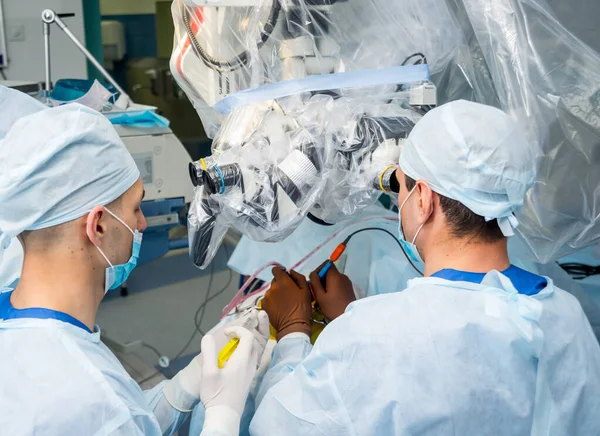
(334, 293)
(288, 303)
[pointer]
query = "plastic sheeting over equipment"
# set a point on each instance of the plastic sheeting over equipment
(308, 102)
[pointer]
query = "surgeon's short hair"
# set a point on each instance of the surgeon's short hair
(50, 235)
(44, 238)
(463, 221)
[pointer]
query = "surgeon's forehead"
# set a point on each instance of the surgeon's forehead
(400, 175)
(140, 192)
(136, 193)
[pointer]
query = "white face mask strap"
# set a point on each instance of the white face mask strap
(104, 255)
(404, 202)
(419, 229)
(122, 222)
(408, 196)
(119, 219)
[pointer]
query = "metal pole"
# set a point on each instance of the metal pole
(88, 55)
(3, 49)
(48, 16)
(47, 57)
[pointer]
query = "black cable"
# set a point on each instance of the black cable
(155, 373)
(150, 347)
(256, 285)
(207, 299)
(198, 322)
(224, 288)
(580, 271)
(203, 304)
(241, 58)
(389, 233)
(3, 74)
(202, 307)
(317, 220)
(423, 59)
(189, 340)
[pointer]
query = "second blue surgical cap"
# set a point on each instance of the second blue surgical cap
(56, 165)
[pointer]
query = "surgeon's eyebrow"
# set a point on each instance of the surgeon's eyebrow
(143, 195)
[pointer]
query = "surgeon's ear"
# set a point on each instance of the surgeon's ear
(96, 227)
(425, 198)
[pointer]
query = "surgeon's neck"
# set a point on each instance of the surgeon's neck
(62, 279)
(467, 255)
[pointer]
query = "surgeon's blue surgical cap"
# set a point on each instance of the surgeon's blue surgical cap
(56, 165)
(476, 155)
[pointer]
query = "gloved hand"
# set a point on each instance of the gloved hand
(183, 391)
(288, 303)
(224, 391)
(334, 293)
(262, 333)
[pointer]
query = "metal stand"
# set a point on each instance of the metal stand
(49, 17)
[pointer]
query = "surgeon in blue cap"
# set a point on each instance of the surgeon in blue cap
(71, 193)
(477, 346)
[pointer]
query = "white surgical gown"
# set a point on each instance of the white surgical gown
(58, 379)
(440, 358)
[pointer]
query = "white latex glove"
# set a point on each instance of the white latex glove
(183, 391)
(257, 321)
(224, 391)
(261, 335)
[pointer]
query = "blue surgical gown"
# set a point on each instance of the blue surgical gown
(58, 378)
(447, 356)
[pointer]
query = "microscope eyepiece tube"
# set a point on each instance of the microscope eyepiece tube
(196, 169)
(195, 173)
(219, 179)
(387, 181)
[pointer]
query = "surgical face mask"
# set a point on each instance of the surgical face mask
(116, 275)
(409, 247)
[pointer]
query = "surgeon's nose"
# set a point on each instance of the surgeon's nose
(142, 223)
